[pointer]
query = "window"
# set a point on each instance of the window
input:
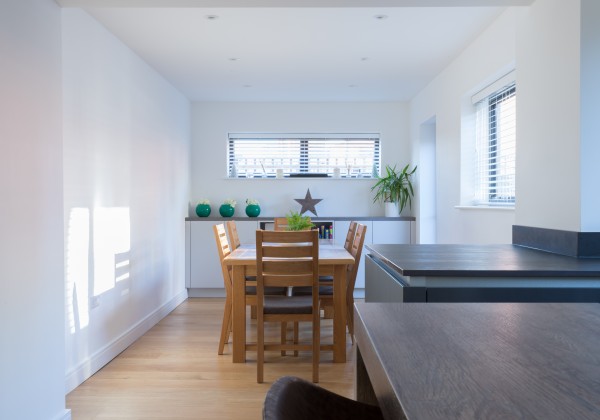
(263, 155)
(495, 147)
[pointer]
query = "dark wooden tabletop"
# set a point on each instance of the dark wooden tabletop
(482, 260)
(482, 361)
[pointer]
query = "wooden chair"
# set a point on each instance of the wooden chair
(287, 259)
(224, 250)
(291, 398)
(350, 236)
(356, 251)
(280, 223)
(234, 239)
(326, 285)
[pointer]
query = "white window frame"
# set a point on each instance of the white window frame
(493, 172)
(267, 155)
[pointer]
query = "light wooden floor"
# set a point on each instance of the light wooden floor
(174, 372)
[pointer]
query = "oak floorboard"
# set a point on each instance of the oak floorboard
(174, 372)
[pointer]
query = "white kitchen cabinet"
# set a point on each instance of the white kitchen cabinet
(247, 231)
(205, 268)
(391, 232)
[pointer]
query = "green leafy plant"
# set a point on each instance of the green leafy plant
(296, 221)
(395, 187)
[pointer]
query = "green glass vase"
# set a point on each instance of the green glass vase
(252, 210)
(203, 210)
(226, 210)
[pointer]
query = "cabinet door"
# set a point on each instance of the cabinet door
(340, 229)
(391, 232)
(205, 268)
(247, 231)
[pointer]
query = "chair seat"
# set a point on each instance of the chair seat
(307, 291)
(251, 290)
(288, 305)
(292, 398)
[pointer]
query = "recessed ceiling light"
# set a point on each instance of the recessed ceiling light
(380, 17)
(351, 86)
(247, 86)
(364, 58)
(233, 59)
(212, 17)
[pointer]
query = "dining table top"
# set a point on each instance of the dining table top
(328, 254)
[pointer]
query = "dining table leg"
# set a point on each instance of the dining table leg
(239, 314)
(339, 314)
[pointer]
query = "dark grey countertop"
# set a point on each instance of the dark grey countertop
(313, 218)
(482, 260)
(477, 361)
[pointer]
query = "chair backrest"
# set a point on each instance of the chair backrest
(350, 236)
(356, 252)
(280, 223)
(234, 238)
(287, 259)
(224, 250)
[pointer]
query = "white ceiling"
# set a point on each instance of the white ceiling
(296, 53)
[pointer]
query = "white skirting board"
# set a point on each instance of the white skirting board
(64, 415)
(95, 362)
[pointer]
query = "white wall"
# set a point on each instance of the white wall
(590, 109)
(489, 56)
(548, 116)
(126, 188)
(211, 122)
(31, 251)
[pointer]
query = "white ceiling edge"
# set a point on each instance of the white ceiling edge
(292, 3)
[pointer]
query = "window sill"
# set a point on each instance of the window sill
(258, 178)
(502, 208)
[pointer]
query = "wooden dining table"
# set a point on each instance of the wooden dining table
(333, 261)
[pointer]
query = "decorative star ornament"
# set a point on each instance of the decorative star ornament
(308, 203)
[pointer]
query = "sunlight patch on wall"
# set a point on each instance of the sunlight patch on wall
(111, 239)
(77, 269)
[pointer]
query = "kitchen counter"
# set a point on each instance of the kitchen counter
(478, 273)
(478, 260)
(479, 361)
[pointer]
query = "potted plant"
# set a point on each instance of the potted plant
(296, 221)
(203, 208)
(227, 208)
(252, 207)
(395, 188)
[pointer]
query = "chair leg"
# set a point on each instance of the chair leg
(283, 336)
(316, 351)
(296, 337)
(350, 318)
(226, 327)
(260, 348)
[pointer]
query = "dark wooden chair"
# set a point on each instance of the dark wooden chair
(291, 398)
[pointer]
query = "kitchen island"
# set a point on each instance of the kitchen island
(477, 273)
(479, 361)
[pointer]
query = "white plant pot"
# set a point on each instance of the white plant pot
(391, 210)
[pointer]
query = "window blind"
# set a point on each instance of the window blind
(496, 148)
(261, 155)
